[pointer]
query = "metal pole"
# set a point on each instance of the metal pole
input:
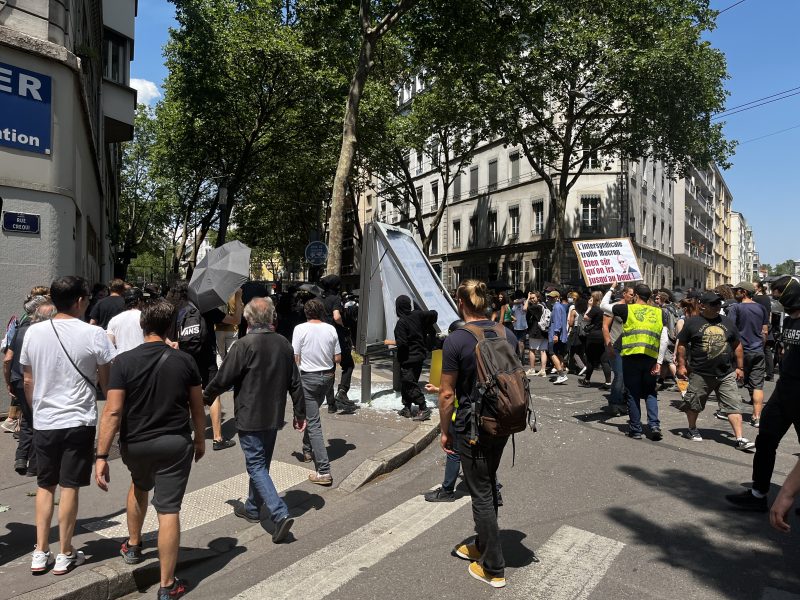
(366, 380)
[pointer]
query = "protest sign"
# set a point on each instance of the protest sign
(604, 261)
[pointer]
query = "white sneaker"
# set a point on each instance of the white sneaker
(553, 371)
(40, 560)
(583, 372)
(531, 372)
(66, 562)
(10, 425)
(542, 373)
(744, 444)
(561, 379)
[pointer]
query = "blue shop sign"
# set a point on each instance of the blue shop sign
(25, 109)
(20, 222)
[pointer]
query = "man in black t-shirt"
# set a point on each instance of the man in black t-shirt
(782, 411)
(765, 300)
(712, 340)
(152, 392)
(110, 306)
(334, 310)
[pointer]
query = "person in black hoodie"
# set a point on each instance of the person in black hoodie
(413, 329)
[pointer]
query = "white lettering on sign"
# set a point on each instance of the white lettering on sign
(27, 85)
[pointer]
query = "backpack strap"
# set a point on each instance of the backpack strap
(479, 333)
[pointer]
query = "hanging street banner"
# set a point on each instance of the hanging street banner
(25, 109)
(604, 261)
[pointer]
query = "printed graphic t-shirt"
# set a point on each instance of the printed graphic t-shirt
(710, 343)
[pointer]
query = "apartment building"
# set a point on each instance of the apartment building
(66, 103)
(741, 264)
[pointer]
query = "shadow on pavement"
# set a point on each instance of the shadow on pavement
(735, 552)
(338, 447)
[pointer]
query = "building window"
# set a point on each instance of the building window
(513, 217)
(456, 276)
(473, 181)
(369, 200)
(435, 195)
(435, 153)
(115, 57)
(537, 222)
(420, 158)
(538, 273)
(457, 186)
(493, 271)
(383, 206)
(590, 156)
(514, 273)
(513, 159)
(434, 247)
(662, 237)
(418, 192)
(590, 214)
(493, 227)
(655, 241)
(473, 230)
(644, 227)
(457, 234)
(492, 175)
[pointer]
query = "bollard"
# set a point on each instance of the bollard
(366, 381)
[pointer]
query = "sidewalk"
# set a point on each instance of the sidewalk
(208, 525)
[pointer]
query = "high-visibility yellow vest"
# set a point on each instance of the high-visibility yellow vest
(641, 333)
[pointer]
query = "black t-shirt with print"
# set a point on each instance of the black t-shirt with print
(710, 343)
(790, 363)
(458, 355)
(160, 409)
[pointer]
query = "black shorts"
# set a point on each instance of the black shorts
(64, 456)
(163, 463)
(755, 370)
(208, 370)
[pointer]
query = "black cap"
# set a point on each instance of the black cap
(710, 298)
(132, 297)
(643, 291)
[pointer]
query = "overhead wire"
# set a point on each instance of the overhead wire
(730, 7)
(731, 112)
(761, 137)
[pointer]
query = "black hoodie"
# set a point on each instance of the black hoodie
(412, 332)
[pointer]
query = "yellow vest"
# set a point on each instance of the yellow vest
(641, 333)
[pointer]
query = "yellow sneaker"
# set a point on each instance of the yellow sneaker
(478, 573)
(468, 552)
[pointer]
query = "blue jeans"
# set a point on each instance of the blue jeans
(315, 387)
(641, 386)
(258, 447)
(618, 394)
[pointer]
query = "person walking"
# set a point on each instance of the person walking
(537, 337)
(125, 329)
(317, 352)
(577, 308)
(763, 298)
(752, 321)
(479, 460)
(61, 360)
(412, 336)
(261, 369)
(595, 347)
(334, 315)
(520, 326)
(711, 340)
(644, 342)
(557, 336)
(782, 411)
(110, 306)
(37, 309)
(154, 401)
(612, 338)
(225, 332)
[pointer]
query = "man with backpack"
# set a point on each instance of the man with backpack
(480, 368)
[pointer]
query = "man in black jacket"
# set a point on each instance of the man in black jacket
(261, 368)
(411, 333)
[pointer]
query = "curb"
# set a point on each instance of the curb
(391, 458)
(113, 579)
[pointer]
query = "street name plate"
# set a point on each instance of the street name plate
(20, 222)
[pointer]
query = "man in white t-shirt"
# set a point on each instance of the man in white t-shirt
(62, 359)
(125, 330)
(317, 351)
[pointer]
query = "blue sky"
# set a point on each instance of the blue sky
(762, 46)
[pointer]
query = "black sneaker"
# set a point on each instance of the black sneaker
(439, 495)
(132, 555)
(499, 499)
(21, 466)
(282, 528)
(635, 435)
(746, 501)
(332, 407)
(656, 435)
(405, 412)
(348, 409)
(176, 590)
(223, 444)
(240, 511)
(343, 400)
(423, 414)
(583, 383)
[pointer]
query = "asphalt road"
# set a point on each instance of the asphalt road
(607, 517)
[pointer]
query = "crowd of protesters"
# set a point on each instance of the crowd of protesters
(158, 361)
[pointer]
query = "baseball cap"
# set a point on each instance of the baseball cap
(642, 290)
(554, 294)
(746, 286)
(710, 298)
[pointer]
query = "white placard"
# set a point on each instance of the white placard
(604, 261)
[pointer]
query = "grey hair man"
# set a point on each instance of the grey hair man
(261, 369)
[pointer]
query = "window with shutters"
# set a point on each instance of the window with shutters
(473, 181)
(434, 195)
(493, 227)
(537, 222)
(456, 233)
(590, 214)
(513, 160)
(513, 217)
(492, 175)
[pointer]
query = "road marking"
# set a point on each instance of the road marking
(204, 505)
(572, 563)
(326, 570)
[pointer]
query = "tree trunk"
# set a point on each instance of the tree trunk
(559, 202)
(224, 217)
(347, 154)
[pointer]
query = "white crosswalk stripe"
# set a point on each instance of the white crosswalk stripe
(204, 505)
(572, 563)
(326, 570)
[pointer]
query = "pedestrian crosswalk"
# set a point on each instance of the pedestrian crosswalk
(204, 505)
